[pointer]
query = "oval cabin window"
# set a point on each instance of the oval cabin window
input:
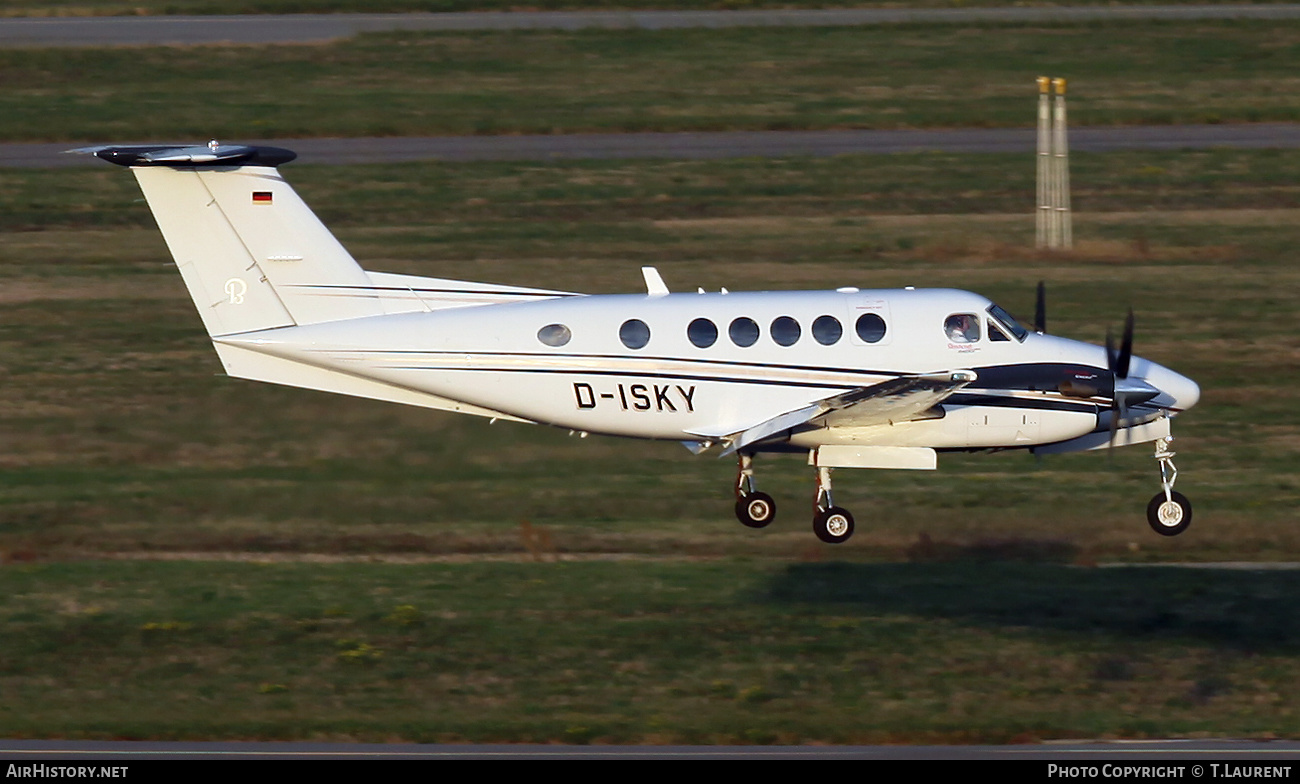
(870, 328)
(743, 332)
(554, 335)
(827, 330)
(634, 333)
(785, 331)
(702, 332)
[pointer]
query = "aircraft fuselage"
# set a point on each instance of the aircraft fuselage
(691, 365)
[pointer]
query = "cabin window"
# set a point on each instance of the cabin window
(785, 331)
(870, 328)
(827, 330)
(554, 335)
(962, 328)
(702, 332)
(634, 333)
(743, 332)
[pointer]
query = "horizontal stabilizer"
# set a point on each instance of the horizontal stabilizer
(189, 156)
(411, 294)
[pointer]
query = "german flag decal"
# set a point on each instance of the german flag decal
(261, 197)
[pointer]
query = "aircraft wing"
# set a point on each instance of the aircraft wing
(896, 400)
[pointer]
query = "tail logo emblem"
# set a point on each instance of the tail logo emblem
(236, 288)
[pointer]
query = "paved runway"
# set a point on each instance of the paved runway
(1169, 752)
(315, 28)
(735, 144)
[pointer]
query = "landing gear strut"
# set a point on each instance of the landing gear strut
(1169, 513)
(831, 523)
(753, 508)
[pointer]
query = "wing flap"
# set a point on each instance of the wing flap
(897, 400)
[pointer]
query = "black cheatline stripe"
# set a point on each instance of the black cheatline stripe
(999, 401)
(722, 362)
(992, 401)
(673, 376)
(995, 401)
(726, 363)
(1054, 403)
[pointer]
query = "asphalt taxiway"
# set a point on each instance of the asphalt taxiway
(1167, 752)
(317, 28)
(724, 144)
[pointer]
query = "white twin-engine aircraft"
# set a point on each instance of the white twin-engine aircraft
(854, 378)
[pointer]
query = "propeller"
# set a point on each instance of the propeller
(1126, 392)
(1040, 310)
(1119, 362)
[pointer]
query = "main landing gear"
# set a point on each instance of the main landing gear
(1169, 513)
(831, 523)
(753, 508)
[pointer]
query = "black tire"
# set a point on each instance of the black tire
(834, 525)
(1169, 519)
(756, 510)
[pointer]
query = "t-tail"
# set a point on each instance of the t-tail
(255, 258)
(252, 254)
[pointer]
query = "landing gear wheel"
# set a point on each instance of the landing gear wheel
(1169, 517)
(756, 510)
(834, 525)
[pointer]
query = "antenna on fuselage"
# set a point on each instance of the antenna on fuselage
(1040, 310)
(654, 283)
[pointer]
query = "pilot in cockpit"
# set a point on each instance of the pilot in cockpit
(962, 328)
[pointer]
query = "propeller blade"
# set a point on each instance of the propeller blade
(1040, 310)
(1111, 358)
(1125, 348)
(1121, 408)
(1119, 366)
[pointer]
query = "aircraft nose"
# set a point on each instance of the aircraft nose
(1187, 392)
(1178, 392)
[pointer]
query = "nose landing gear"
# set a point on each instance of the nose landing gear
(1169, 513)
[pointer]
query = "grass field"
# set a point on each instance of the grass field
(634, 651)
(561, 82)
(598, 590)
(125, 441)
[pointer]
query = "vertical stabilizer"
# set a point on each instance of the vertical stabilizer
(252, 254)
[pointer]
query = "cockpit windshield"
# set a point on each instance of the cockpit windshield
(1007, 320)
